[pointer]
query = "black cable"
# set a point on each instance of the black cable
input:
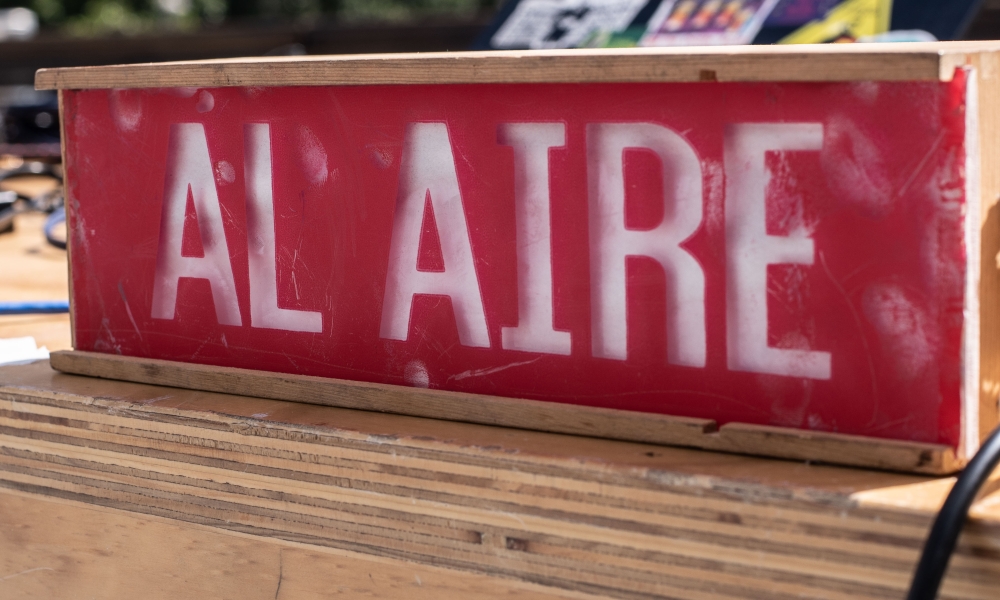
(950, 521)
(57, 217)
(50, 201)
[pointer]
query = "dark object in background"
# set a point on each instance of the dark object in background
(7, 212)
(20, 60)
(30, 123)
(944, 19)
(49, 201)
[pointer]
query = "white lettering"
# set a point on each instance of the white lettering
(427, 168)
(189, 170)
(749, 249)
(611, 242)
(261, 254)
(535, 331)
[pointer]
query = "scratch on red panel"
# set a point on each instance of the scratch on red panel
(490, 371)
(446, 351)
(128, 310)
(229, 215)
(200, 348)
(861, 333)
(895, 423)
(921, 165)
(114, 342)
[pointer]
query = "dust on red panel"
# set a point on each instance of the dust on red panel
(786, 254)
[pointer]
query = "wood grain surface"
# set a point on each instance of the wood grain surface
(528, 414)
(31, 269)
(579, 514)
(831, 62)
(61, 549)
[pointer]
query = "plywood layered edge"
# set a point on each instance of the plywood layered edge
(552, 417)
(574, 514)
(836, 62)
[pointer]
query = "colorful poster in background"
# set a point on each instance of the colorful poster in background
(706, 22)
(849, 21)
(538, 24)
(792, 13)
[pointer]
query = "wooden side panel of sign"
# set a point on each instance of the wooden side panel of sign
(986, 67)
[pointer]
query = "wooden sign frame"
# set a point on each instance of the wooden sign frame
(837, 63)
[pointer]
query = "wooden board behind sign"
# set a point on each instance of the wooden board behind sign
(780, 251)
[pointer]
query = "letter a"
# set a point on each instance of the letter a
(189, 169)
(427, 168)
(264, 310)
(611, 242)
(749, 249)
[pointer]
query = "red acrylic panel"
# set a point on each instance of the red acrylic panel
(787, 254)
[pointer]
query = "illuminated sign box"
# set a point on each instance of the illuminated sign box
(789, 251)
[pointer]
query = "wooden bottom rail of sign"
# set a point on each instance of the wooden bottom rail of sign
(121, 490)
(552, 417)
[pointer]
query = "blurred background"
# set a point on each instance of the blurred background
(61, 33)
(57, 33)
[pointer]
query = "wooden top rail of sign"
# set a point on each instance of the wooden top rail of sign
(838, 62)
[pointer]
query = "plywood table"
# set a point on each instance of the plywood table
(31, 269)
(123, 490)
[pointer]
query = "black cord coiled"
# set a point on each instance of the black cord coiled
(51, 201)
(950, 521)
(55, 219)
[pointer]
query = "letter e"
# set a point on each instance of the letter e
(749, 249)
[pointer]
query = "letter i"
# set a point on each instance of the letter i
(535, 330)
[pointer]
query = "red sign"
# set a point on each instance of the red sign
(784, 254)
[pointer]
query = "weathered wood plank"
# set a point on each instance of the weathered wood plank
(64, 549)
(846, 62)
(527, 414)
